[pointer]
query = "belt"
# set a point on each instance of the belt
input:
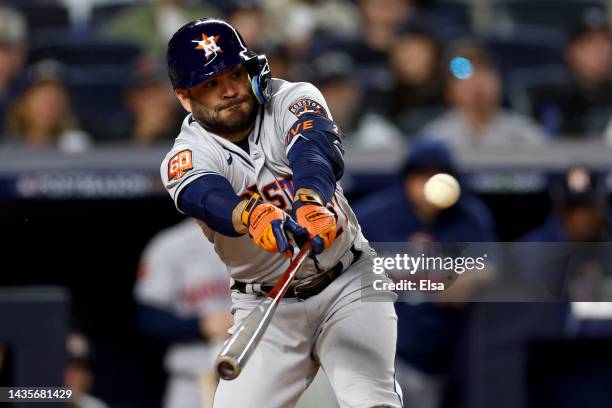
(307, 287)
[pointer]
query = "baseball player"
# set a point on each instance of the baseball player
(258, 161)
(183, 296)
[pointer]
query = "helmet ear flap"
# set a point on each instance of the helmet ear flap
(257, 90)
(260, 78)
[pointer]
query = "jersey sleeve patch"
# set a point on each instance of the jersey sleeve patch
(306, 105)
(180, 164)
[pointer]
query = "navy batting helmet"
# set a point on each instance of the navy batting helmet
(203, 48)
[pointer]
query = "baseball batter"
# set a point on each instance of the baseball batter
(257, 162)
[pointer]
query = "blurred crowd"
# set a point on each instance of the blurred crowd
(75, 74)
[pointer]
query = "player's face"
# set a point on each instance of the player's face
(583, 223)
(225, 103)
(481, 93)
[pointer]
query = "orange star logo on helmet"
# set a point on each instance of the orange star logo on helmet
(208, 44)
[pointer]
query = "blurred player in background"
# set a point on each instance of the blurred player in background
(78, 375)
(183, 296)
(468, 220)
(426, 331)
(580, 209)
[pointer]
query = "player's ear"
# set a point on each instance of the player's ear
(183, 97)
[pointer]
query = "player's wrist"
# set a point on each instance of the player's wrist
(237, 217)
(248, 208)
(308, 195)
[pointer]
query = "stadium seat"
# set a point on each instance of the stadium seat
(103, 13)
(451, 12)
(597, 119)
(524, 83)
(554, 14)
(97, 98)
(411, 121)
(97, 72)
(72, 49)
(44, 16)
(525, 50)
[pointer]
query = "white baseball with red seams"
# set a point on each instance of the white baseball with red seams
(442, 190)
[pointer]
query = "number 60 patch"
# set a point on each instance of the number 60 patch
(179, 164)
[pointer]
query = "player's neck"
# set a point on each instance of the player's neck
(238, 136)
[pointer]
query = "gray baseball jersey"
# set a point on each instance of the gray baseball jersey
(197, 152)
(181, 273)
(352, 340)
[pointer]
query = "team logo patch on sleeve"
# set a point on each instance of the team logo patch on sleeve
(180, 164)
(306, 105)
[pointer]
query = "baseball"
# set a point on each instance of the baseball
(442, 190)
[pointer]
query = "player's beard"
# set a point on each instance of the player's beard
(211, 119)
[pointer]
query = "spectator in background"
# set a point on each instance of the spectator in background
(249, 19)
(577, 272)
(13, 51)
(333, 74)
(414, 219)
(580, 210)
(152, 25)
(184, 299)
(279, 58)
(426, 331)
(418, 92)
(584, 102)
(580, 214)
(151, 102)
(80, 11)
(41, 117)
(301, 23)
(475, 115)
(381, 20)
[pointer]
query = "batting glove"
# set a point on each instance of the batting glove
(318, 220)
(268, 226)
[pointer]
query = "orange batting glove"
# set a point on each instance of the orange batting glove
(267, 225)
(319, 221)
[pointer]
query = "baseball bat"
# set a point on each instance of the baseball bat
(238, 348)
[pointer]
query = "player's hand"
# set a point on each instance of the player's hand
(268, 226)
(319, 221)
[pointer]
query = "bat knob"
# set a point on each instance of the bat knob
(227, 368)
